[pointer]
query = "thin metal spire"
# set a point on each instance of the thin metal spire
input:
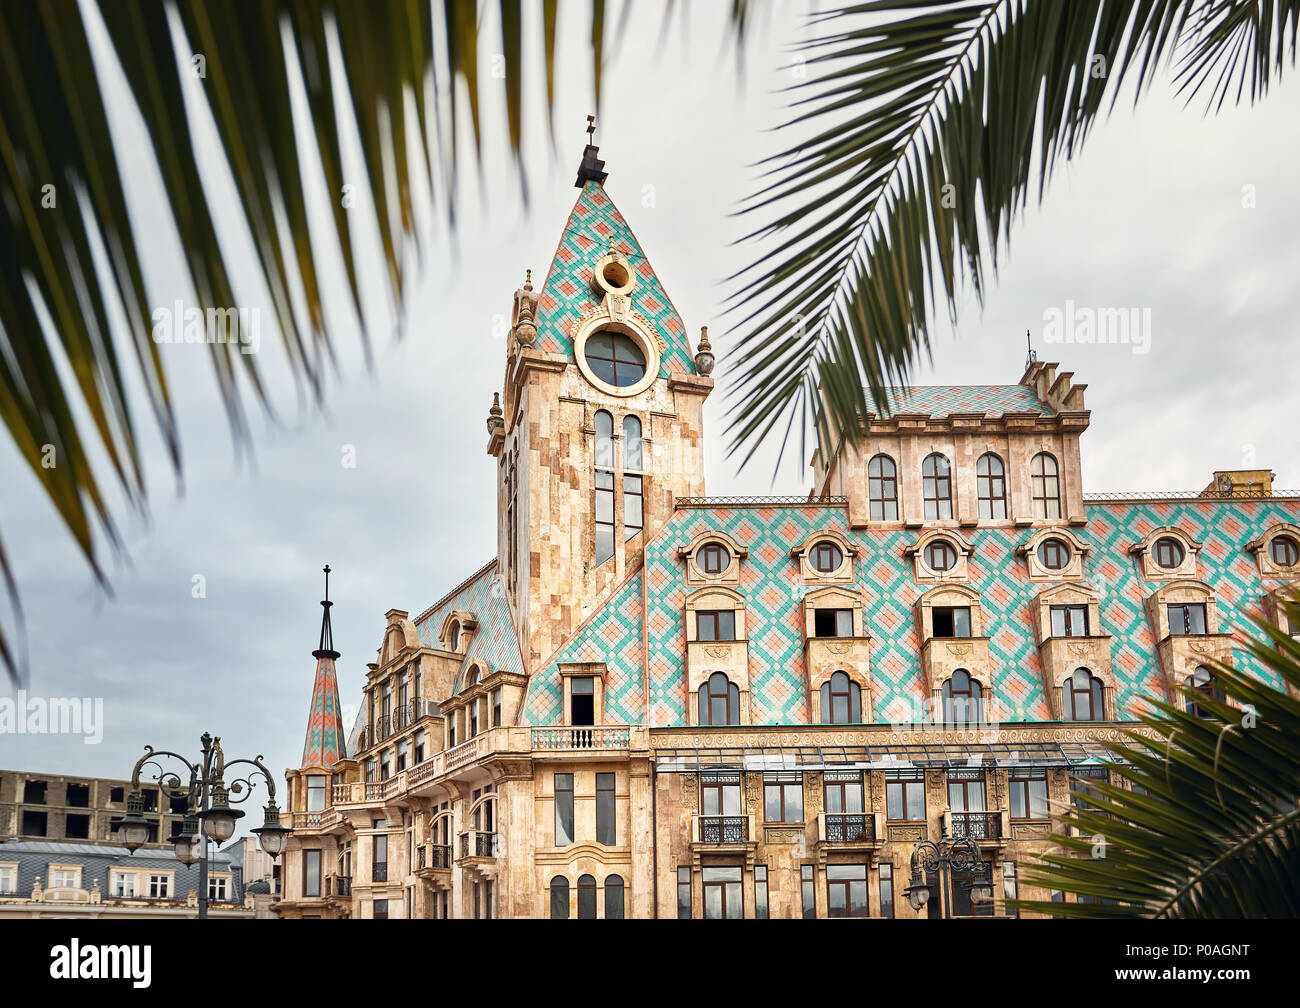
(326, 648)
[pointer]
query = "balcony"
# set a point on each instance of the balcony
(723, 833)
(579, 738)
(846, 829)
(439, 856)
(982, 827)
(478, 844)
(339, 886)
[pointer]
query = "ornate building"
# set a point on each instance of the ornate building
(651, 703)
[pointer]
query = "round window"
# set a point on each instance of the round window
(1169, 552)
(614, 358)
(1054, 554)
(1285, 551)
(940, 556)
(826, 557)
(714, 558)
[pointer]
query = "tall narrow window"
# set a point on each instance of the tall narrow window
(1009, 887)
(633, 489)
(582, 701)
(586, 897)
(963, 699)
(808, 890)
(604, 464)
(563, 809)
(315, 792)
(606, 823)
(559, 898)
(760, 892)
(841, 700)
(886, 890)
(614, 897)
(311, 873)
(684, 893)
(719, 701)
(882, 489)
(512, 515)
(936, 486)
(991, 478)
(1045, 486)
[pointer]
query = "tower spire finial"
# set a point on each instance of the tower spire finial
(592, 168)
(1029, 346)
(326, 648)
(591, 129)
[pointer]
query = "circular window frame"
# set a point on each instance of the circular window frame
(1064, 545)
(1178, 546)
(953, 552)
(644, 341)
(838, 551)
(1295, 547)
(726, 552)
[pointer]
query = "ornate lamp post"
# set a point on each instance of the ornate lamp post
(944, 858)
(208, 814)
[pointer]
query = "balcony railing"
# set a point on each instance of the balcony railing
(477, 843)
(379, 871)
(439, 855)
(723, 829)
(580, 738)
(975, 825)
(338, 885)
(850, 828)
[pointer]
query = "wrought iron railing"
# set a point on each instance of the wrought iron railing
(977, 825)
(477, 843)
(379, 871)
(580, 738)
(724, 829)
(439, 855)
(338, 885)
(850, 828)
(1126, 495)
(757, 501)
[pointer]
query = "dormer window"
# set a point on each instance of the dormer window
(1069, 620)
(951, 621)
(1187, 618)
(1169, 553)
(582, 701)
(714, 559)
(940, 557)
(936, 486)
(833, 623)
(1054, 554)
(1284, 551)
(453, 636)
(827, 557)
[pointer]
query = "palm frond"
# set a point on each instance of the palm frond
(1208, 825)
(921, 130)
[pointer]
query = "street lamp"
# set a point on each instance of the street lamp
(946, 857)
(208, 811)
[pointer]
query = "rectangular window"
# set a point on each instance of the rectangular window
(723, 899)
(905, 796)
(496, 708)
(65, 878)
(808, 888)
(683, 893)
(218, 889)
(720, 794)
(760, 892)
(160, 886)
(1009, 887)
(833, 622)
(606, 822)
(715, 625)
(9, 880)
(473, 718)
(846, 891)
(604, 516)
(385, 764)
(966, 791)
(886, 890)
(311, 873)
(417, 747)
(124, 885)
(381, 909)
(582, 701)
(1069, 621)
(1028, 794)
(783, 797)
(951, 621)
(632, 509)
(563, 809)
(1188, 618)
(379, 865)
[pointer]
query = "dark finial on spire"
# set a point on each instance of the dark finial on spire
(326, 649)
(592, 168)
(1033, 354)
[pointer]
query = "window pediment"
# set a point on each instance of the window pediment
(1054, 553)
(936, 548)
(1272, 550)
(705, 564)
(825, 557)
(1167, 554)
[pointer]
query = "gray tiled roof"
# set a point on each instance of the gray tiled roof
(35, 856)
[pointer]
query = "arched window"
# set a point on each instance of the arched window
(604, 465)
(615, 358)
(1168, 553)
(1082, 697)
(472, 676)
(940, 556)
(586, 897)
(827, 557)
(963, 699)
(633, 491)
(936, 484)
(1202, 681)
(614, 897)
(719, 701)
(1045, 485)
(453, 636)
(559, 898)
(1285, 551)
(882, 488)
(841, 700)
(1054, 554)
(991, 479)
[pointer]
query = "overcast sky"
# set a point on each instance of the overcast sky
(1151, 216)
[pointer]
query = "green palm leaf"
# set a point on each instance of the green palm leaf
(1209, 825)
(921, 130)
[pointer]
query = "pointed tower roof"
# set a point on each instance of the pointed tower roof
(325, 743)
(593, 228)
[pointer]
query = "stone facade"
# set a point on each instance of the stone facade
(655, 704)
